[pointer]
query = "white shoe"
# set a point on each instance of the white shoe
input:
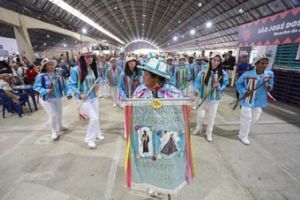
(194, 108)
(92, 145)
(209, 138)
(63, 128)
(244, 140)
(114, 105)
(54, 137)
(196, 131)
(100, 137)
(152, 193)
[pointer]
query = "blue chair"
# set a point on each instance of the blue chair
(10, 106)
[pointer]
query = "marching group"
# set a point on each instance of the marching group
(202, 78)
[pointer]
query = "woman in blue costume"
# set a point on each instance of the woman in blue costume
(210, 83)
(81, 81)
(130, 79)
(51, 87)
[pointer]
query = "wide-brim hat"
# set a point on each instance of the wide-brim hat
(156, 66)
(216, 54)
(85, 51)
(259, 58)
(101, 55)
(199, 58)
(45, 61)
(181, 57)
(169, 58)
(130, 59)
(113, 59)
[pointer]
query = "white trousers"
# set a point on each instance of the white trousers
(103, 90)
(115, 94)
(91, 109)
(54, 111)
(248, 117)
(211, 108)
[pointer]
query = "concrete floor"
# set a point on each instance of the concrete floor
(35, 168)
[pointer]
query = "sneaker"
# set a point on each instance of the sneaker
(196, 131)
(194, 107)
(100, 137)
(152, 193)
(114, 105)
(92, 145)
(63, 128)
(244, 140)
(54, 137)
(209, 138)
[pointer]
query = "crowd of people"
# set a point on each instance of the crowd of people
(131, 76)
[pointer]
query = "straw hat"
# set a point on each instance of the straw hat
(45, 61)
(130, 59)
(259, 58)
(85, 51)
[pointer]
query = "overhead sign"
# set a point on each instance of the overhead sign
(282, 28)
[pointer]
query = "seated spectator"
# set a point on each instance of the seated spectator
(18, 79)
(5, 81)
(4, 66)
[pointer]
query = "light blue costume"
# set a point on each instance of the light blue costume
(251, 80)
(182, 76)
(127, 85)
(101, 68)
(121, 63)
(213, 96)
(44, 83)
(82, 88)
(90, 107)
(202, 89)
(251, 106)
(113, 75)
(195, 69)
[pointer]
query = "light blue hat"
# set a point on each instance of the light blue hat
(152, 55)
(156, 67)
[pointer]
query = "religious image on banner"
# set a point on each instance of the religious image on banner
(169, 143)
(145, 142)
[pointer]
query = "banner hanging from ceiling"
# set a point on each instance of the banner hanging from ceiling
(281, 28)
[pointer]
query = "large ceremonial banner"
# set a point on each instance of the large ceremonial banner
(158, 150)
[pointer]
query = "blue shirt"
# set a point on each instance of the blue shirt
(202, 89)
(128, 84)
(250, 80)
(113, 74)
(82, 88)
(44, 83)
(121, 62)
(195, 69)
(242, 67)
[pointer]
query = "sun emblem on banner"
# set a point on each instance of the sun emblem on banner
(156, 104)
